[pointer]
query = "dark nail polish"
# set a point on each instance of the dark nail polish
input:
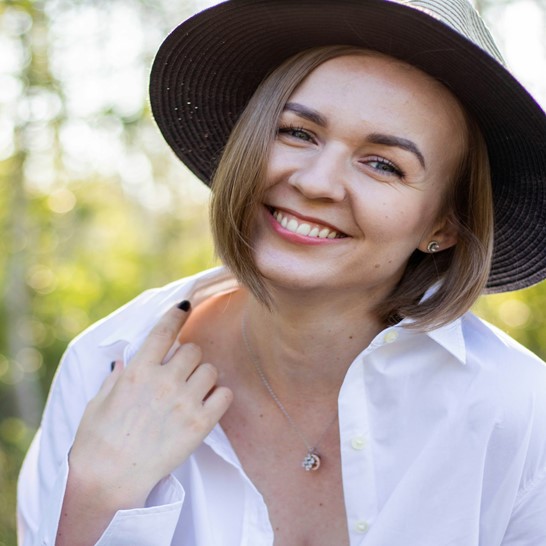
(112, 366)
(184, 305)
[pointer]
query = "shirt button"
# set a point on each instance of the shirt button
(390, 336)
(361, 526)
(358, 443)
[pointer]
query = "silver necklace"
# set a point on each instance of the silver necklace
(312, 460)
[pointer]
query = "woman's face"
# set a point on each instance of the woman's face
(365, 150)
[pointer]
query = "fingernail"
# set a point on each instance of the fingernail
(112, 366)
(184, 305)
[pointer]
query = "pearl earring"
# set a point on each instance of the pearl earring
(433, 247)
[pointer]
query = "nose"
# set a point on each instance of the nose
(322, 175)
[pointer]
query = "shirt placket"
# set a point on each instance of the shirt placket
(358, 472)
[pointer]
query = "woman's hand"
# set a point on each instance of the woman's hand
(144, 422)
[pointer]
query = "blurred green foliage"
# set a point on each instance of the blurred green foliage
(93, 206)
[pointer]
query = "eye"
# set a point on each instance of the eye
(384, 166)
(298, 133)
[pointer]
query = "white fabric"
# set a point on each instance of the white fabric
(443, 442)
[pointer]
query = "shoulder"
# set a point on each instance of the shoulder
(513, 381)
(118, 335)
(493, 350)
(128, 322)
(512, 370)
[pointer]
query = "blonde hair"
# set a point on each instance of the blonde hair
(460, 272)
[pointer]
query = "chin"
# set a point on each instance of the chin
(294, 276)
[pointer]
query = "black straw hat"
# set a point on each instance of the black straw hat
(208, 68)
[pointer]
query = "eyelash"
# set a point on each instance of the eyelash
(292, 129)
(386, 163)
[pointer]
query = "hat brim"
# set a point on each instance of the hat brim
(208, 68)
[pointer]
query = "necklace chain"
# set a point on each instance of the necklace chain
(312, 459)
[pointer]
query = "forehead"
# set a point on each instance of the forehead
(371, 90)
(360, 75)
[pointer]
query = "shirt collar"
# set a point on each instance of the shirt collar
(218, 280)
(156, 301)
(451, 338)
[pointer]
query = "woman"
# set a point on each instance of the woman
(328, 386)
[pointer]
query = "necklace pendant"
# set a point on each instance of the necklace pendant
(311, 462)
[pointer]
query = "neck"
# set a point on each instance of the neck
(306, 343)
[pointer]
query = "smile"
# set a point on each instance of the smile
(303, 227)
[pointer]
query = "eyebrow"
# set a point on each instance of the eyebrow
(306, 113)
(399, 142)
(375, 138)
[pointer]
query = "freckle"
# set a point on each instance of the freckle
(320, 504)
(377, 266)
(261, 415)
(350, 337)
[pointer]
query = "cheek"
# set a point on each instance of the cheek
(277, 170)
(396, 217)
(280, 156)
(274, 168)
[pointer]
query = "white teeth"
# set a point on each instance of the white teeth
(291, 224)
(303, 229)
(323, 233)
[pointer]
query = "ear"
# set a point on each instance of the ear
(444, 232)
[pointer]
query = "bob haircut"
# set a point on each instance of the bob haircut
(458, 274)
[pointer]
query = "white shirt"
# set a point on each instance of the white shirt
(443, 442)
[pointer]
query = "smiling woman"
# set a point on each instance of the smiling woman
(370, 115)
(328, 385)
(382, 198)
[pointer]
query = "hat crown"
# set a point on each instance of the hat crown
(461, 16)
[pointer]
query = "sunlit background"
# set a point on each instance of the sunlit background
(93, 206)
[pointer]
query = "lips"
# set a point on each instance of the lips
(303, 227)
